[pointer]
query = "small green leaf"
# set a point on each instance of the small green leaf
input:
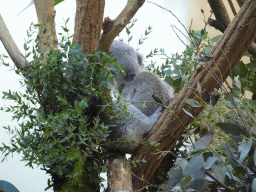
(198, 87)
(210, 161)
(238, 83)
(216, 38)
(193, 103)
(232, 129)
(194, 166)
(175, 176)
(204, 141)
(244, 149)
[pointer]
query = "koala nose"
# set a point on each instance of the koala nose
(130, 77)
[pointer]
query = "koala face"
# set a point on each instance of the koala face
(126, 56)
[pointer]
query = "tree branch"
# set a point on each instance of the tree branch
(46, 16)
(88, 23)
(169, 128)
(240, 2)
(11, 47)
(232, 6)
(222, 20)
(220, 12)
(111, 28)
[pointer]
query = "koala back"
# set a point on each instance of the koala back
(141, 89)
(126, 56)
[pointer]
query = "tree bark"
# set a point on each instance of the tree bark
(88, 23)
(240, 2)
(119, 175)
(222, 20)
(111, 28)
(46, 17)
(11, 47)
(171, 125)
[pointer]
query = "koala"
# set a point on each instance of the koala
(134, 128)
(142, 120)
(125, 56)
(141, 89)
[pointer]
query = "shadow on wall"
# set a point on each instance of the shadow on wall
(6, 186)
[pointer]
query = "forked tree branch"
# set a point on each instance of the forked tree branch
(171, 125)
(220, 12)
(222, 21)
(111, 28)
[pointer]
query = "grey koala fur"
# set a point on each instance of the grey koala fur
(141, 89)
(133, 128)
(125, 56)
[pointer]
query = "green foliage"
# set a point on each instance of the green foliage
(178, 68)
(229, 157)
(58, 1)
(62, 128)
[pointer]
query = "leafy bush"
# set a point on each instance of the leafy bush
(62, 127)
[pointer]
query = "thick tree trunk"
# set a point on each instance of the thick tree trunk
(171, 125)
(88, 23)
(46, 17)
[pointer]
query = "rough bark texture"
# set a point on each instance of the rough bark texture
(119, 175)
(46, 16)
(88, 23)
(169, 128)
(111, 28)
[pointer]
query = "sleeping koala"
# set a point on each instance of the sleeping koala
(125, 56)
(138, 87)
(141, 119)
(141, 89)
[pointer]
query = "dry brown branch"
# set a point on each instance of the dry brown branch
(88, 23)
(228, 51)
(46, 16)
(111, 28)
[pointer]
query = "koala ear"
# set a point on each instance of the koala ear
(140, 61)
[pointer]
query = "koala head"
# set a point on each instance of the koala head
(125, 56)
